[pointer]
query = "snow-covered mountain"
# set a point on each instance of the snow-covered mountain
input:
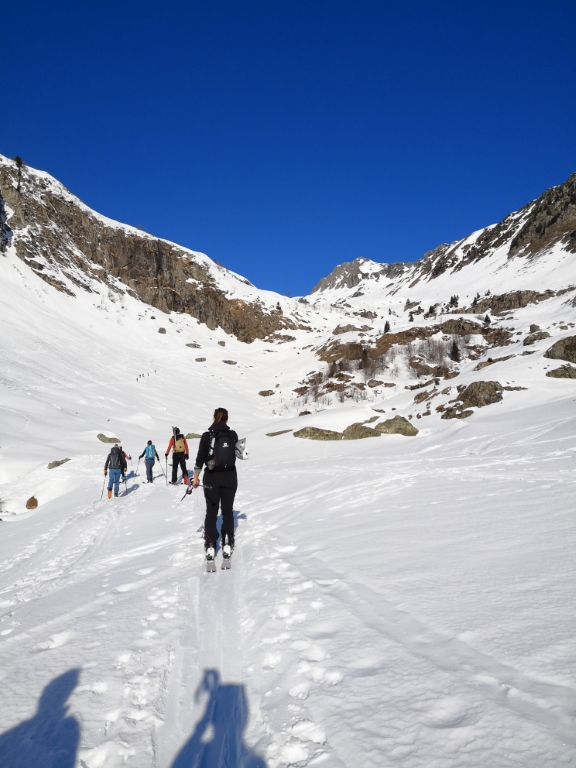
(399, 600)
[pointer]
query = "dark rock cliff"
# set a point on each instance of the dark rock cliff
(71, 248)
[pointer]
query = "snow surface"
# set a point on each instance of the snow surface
(392, 601)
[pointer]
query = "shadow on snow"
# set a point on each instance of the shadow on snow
(218, 738)
(51, 737)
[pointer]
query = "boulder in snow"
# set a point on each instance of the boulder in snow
(230, 362)
(536, 337)
(54, 464)
(280, 432)
(105, 439)
(396, 426)
(315, 433)
(161, 330)
(192, 436)
(32, 503)
(564, 372)
(358, 432)
(266, 392)
(565, 349)
(481, 393)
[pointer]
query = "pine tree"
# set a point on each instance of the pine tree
(455, 352)
(387, 327)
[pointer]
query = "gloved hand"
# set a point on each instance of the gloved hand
(123, 478)
(105, 472)
(166, 455)
(187, 457)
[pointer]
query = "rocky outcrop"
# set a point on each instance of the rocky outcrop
(350, 274)
(266, 392)
(344, 329)
(315, 433)
(507, 302)
(396, 426)
(550, 219)
(534, 337)
(481, 393)
(54, 464)
(564, 372)
(564, 349)
(32, 503)
(105, 439)
(476, 395)
(72, 248)
(5, 233)
(280, 432)
(358, 432)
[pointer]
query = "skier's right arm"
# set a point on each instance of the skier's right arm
(107, 464)
(170, 445)
(201, 456)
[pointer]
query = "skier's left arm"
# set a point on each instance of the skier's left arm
(186, 450)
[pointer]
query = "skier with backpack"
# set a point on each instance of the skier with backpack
(217, 451)
(117, 465)
(179, 448)
(151, 455)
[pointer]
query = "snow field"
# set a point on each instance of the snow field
(392, 601)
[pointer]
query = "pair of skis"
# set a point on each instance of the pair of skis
(211, 564)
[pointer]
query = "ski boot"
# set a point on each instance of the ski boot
(227, 550)
(210, 564)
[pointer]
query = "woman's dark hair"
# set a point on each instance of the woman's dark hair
(220, 414)
(149, 442)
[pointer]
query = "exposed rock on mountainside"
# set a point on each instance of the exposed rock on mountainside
(534, 337)
(475, 395)
(105, 439)
(54, 464)
(396, 426)
(69, 247)
(350, 274)
(564, 349)
(358, 432)
(315, 433)
(481, 393)
(564, 372)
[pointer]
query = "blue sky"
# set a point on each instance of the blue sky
(283, 138)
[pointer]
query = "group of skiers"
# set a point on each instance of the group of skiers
(217, 452)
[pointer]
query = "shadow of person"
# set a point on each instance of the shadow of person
(218, 739)
(50, 738)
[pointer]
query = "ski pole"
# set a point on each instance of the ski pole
(191, 488)
(166, 473)
(137, 465)
(103, 484)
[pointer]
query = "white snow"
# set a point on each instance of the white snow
(392, 601)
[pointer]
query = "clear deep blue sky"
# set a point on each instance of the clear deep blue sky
(285, 137)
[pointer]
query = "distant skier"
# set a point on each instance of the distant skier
(151, 454)
(117, 464)
(180, 456)
(217, 451)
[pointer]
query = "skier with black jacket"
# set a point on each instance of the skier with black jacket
(179, 448)
(117, 465)
(217, 451)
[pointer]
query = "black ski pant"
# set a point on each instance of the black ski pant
(219, 490)
(179, 460)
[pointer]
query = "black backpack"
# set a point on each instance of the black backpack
(222, 451)
(115, 458)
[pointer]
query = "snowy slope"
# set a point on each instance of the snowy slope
(392, 601)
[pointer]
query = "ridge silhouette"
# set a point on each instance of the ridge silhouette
(50, 738)
(218, 738)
